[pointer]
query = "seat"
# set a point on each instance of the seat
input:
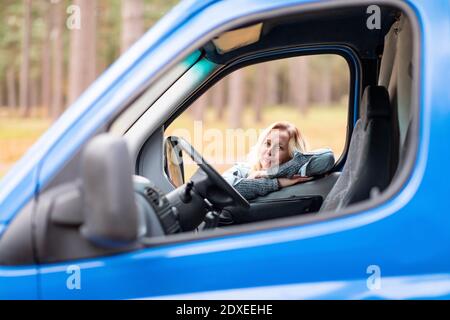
(367, 168)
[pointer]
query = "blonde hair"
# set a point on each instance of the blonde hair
(296, 142)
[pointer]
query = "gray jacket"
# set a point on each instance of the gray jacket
(306, 164)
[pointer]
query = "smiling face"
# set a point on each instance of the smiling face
(274, 149)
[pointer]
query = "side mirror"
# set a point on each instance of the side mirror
(109, 208)
(173, 162)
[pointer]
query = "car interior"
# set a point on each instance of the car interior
(116, 195)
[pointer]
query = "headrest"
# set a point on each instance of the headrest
(375, 103)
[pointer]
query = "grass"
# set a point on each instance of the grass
(17, 134)
(321, 126)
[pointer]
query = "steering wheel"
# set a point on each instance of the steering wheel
(213, 176)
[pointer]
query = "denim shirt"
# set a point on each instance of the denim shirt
(306, 164)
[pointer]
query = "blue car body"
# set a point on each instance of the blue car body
(407, 237)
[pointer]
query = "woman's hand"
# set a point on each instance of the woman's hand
(286, 182)
(257, 174)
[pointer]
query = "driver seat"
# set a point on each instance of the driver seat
(367, 169)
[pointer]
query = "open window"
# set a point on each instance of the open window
(310, 92)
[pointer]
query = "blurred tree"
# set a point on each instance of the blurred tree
(271, 94)
(24, 93)
(298, 83)
(37, 41)
(46, 82)
(155, 9)
(57, 57)
(218, 97)
(108, 20)
(10, 44)
(259, 89)
(236, 97)
(11, 87)
(321, 78)
(132, 22)
(325, 88)
(82, 61)
(339, 78)
(199, 107)
(2, 95)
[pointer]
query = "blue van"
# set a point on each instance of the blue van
(91, 211)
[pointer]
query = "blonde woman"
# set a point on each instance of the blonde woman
(279, 159)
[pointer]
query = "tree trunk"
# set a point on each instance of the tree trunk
(218, 98)
(199, 107)
(2, 94)
(57, 59)
(325, 92)
(82, 56)
(132, 22)
(46, 62)
(272, 84)
(236, 97)
(298, 83)
(11, 94)
(34, 95)
(260, 87)
(24, 95)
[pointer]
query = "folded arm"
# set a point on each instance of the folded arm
(304, 164)
(249, 188)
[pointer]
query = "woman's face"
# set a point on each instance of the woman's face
(275, 149)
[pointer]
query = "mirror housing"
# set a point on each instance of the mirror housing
(173, 161)
(109, 207)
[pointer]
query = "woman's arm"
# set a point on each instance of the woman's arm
(249, 188)
(318, 164)
(304, 164)
(253, 188)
